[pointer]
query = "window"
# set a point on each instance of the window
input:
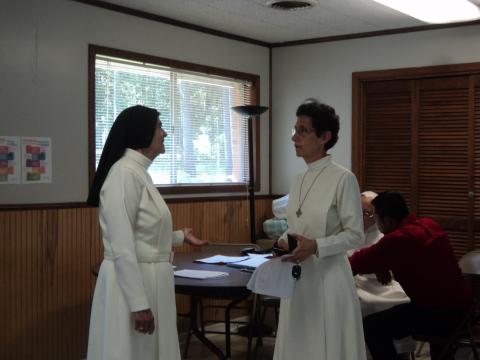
(207, 143)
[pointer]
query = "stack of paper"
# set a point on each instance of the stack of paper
(221, 259)
(273, 278)
(252, 262)
(199, 274)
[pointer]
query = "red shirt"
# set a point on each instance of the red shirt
(421, 259)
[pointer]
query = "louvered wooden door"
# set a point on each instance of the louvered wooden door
(388, 140)
(474, 195)
(443, 155)
(421, 136)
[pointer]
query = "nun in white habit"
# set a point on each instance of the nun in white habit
(133, 311)
(322, 320)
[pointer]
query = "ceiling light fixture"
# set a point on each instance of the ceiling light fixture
(435, 11)
(291, 5)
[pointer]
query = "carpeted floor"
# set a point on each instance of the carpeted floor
(197, 351)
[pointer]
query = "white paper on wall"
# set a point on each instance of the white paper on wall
(36, 160)
(10, 162)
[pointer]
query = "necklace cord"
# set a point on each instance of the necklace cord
(300, 203)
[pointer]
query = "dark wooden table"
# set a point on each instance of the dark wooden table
(231, 287)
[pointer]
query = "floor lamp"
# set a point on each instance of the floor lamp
(251, 111)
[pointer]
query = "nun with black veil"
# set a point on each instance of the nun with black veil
(133, 311)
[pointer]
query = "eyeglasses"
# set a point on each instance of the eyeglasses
(296, 271)
(301, 131)
(368, 214)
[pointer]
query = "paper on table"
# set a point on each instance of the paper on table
(273, 278)
(252, 262)
(199, 274)
(221, 259)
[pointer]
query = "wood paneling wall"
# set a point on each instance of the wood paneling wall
(46, 257)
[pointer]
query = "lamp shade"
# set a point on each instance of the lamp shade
(470, 263)
(250, 110)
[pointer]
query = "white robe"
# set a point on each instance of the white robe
(374, 296)
(322, 321)
(136, 273)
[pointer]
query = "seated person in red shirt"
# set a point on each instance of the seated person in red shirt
(418, 253)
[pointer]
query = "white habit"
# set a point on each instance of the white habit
(136, 272)
(322, 320)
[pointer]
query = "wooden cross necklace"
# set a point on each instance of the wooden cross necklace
(300, 202)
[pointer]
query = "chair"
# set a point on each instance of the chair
(466, 334)
(265, 303)
(224, 249)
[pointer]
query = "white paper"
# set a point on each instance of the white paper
(221, 259)
(252, 262)
(36, 160)
(199, 274)
(273, 278)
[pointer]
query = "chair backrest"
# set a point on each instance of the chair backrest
(474, 281)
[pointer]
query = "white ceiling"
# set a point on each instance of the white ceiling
(255, 20)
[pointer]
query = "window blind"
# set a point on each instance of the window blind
(207, 143)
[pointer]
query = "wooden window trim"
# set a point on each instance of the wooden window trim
(93, 50)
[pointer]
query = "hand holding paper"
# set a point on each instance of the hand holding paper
(273, 278)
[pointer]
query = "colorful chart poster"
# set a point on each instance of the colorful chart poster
(36, 160)
(9, 160)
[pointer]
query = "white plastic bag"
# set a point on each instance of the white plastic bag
(279, 207)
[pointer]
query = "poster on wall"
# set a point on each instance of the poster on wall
(36, 160)
(9, 160)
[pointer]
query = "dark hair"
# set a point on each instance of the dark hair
(390, 204)
(133, 128)
(323, 118)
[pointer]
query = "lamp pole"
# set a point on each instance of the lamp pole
(251, 111)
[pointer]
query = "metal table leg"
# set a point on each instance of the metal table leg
(194, 300)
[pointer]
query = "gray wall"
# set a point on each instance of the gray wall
(325, 71)
(43, 72)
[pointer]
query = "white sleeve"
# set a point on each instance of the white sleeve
(177, 237)
(120, 199)
(350, 212)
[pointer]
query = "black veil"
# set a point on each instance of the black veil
(133, 128)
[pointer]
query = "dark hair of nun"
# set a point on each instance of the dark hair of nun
(323, 118)
(133, 128)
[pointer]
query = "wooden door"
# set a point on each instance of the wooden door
(474, 193)
(417, 131)
(443, 155)
(387, 140)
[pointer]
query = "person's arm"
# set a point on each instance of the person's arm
(178, 236)
(377, 257)
(119, 201)
(186, 235)
(350, 212)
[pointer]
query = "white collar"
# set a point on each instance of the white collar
(138, 157)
